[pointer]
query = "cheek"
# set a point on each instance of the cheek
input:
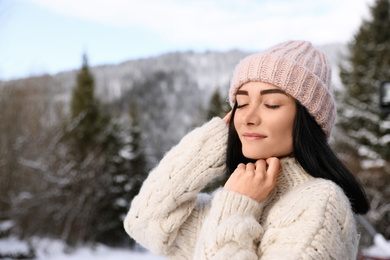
(284, 130)
(282, 124)
(236, 121)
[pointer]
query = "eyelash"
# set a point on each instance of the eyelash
(267, 106)
(272, 106)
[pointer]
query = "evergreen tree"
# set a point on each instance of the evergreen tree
(363, 139)
(90, 144)
(138, 162)
(90, 165)
(129, 170)
(83, 94)
(368, 65)
(88, 119)
(108, 227)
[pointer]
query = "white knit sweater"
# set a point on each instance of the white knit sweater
(302, 218)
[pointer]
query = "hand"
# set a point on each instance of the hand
(255, 180)
(227, 117)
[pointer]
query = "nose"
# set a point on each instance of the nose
(252, 116)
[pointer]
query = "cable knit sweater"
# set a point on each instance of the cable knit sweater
(302, 218)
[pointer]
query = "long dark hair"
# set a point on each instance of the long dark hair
(313, 153)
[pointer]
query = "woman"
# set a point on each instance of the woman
(287, 197)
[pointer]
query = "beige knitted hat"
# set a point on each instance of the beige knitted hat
(297, 68)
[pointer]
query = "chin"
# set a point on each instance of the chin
(257, 156)
(264, 156)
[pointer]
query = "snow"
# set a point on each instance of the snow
(384, 140)
(5, 225)
(369, 164)
(11, 245)
(99, 253)
(380, 249)
(46, 249)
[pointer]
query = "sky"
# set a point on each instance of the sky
(50, 36)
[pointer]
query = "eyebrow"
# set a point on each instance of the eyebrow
(263, 92)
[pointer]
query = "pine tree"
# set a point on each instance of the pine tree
(363, 139)
(106, 166)
(89, 163)
(138, 162)
(87, 140)
(88, 119)
(128, 170)
(368, 64)
(83, 94)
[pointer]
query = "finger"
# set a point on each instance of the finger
(240, 169)
(250, 168)
(241, 166)
(261, 165)
(227, 117)
(273, 167)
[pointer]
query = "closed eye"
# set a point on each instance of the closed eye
(241, 106)
(272, 106)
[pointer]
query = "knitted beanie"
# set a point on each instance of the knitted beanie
(297, 68)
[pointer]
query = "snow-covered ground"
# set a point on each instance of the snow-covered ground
(380, 248)
(46, 249)
(100, 253)
(49, 250)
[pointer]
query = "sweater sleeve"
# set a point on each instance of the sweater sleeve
(315, 221)
(168, 196)
(231, 229)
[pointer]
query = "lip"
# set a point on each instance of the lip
(253, 136)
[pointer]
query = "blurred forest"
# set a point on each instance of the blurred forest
(73, 155)
(363, 139)
(75, 147)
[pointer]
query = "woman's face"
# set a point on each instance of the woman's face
(264, 120)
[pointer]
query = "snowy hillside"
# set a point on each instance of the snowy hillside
(209, 70)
